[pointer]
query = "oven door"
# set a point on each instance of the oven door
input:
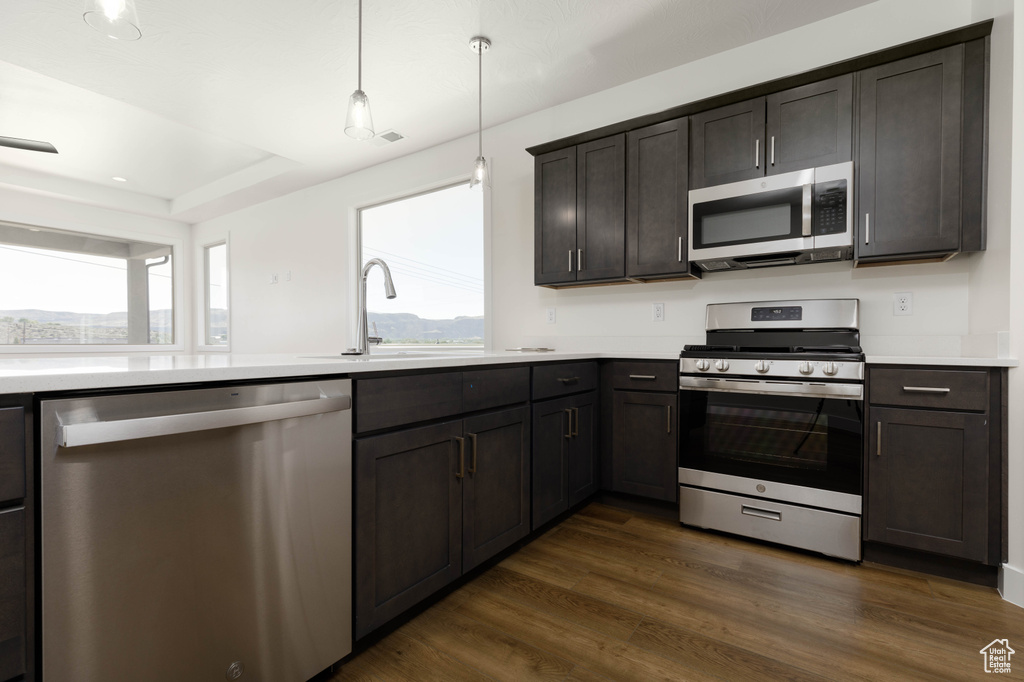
(752, 217)
(775, 432)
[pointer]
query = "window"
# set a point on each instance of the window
(215, 259)
(68, 288)
(433, 243)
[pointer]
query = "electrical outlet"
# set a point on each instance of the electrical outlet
(658, 312)
(273, 278)
(551, 315)
(903, 304)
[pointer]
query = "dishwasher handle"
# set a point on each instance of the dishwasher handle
(93, 433)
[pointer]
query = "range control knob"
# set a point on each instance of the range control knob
(805, 367)
(721, 365)
(830, 368)
(703, 365)
(761, 366)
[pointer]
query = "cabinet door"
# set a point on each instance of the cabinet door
(550, 478)
(12, 454)
(554, 222)
(408, 521)
(644, 445)
(601, 209)
(496, 489)
(928, 481)
(12, 593)
(656, 200)
(810, 126)
(583, 462)
(908, 184)
(727, 144)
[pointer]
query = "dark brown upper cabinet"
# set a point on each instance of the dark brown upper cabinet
(910, 153)
(656, 201)
(803, 127)
(580, 213)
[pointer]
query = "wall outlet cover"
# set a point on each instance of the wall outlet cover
(903, 304)
(658, 312)
(551, 316)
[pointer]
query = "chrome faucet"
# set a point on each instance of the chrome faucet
(363, 339)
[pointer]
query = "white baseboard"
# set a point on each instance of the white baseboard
(1011, 584)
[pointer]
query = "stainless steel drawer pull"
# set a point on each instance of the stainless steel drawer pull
(579, 259)
(925, 389)
(93, 433)
(757, 153)
(867, 228)
(570, 260)
(645, 377)
(680, 257)
(773, 150)
(568, 380)
(761, 513)
(878, 440)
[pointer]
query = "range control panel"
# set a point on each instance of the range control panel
(786, 313)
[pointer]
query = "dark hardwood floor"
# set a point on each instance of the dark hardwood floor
(613, 594)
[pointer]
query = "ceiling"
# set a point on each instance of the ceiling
(224, 104)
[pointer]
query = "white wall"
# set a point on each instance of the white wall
(47, 211)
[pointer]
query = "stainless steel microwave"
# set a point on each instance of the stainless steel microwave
(800, 217)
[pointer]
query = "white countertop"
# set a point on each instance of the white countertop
(43, 374)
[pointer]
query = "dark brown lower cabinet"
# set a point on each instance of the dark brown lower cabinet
(12, 593)
(644, 460)
(565, 464)
(433, 502)
(928, 481)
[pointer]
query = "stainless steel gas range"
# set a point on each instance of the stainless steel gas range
(771, 422)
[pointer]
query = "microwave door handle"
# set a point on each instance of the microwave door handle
(806, 231)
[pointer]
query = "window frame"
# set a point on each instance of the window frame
(203, 295)
(355, 260)
(177, 247)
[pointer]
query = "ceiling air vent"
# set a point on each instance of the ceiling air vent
(387, 137)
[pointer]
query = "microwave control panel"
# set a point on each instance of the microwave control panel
(829, 214)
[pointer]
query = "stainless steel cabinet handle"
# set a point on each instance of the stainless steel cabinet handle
(461, 473)
(92, 433)
(579, 259)
(570, 260)
(668, 423)
(773, 150)
(925, 389)
(575, 429)
(568, 411)
(757, 153)
(472, 462)
(680, 256)
(761, 513)
(867, 228)
(644, 377)
(878, 440)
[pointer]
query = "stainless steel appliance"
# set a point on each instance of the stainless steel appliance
(197, 534)
(771, 422)
(798, 217)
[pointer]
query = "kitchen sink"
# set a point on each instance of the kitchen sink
(397, 355)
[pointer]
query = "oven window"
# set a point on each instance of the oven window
(753, 224)
(811, 442)
(785, 438)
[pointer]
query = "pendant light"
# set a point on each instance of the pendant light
(480, 176)
(115, 18)
(359, 123)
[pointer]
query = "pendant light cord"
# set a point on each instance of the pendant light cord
(359, 57)
(480, 97)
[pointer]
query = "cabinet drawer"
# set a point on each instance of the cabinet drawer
(952, 389)
(550, 381)
(486, 388)
(383, 403)
(12, 453)
(646, 376)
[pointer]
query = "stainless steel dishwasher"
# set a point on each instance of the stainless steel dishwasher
(197, 534)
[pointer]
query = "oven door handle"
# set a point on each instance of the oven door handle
(806, 389)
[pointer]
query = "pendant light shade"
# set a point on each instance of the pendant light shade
(480, 176)
(115, 18)
(358, 122)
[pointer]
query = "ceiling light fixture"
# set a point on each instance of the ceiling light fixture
(480, 177)
(115, 18)
(359, 123)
